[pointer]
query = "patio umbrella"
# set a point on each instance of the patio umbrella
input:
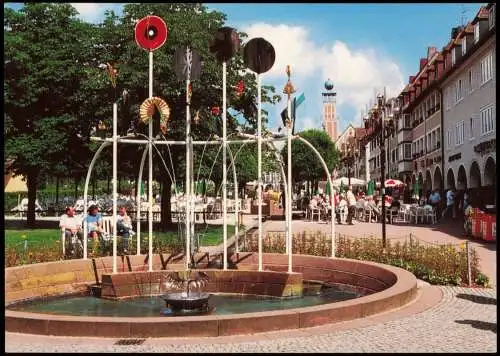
(416, 189)
(391, 183)
(345, 181)
(202, 187)
(342, 186)
(370, 190)
(328, 188)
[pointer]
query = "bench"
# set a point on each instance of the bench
(107, 226)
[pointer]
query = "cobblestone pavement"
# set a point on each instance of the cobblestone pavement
(463, 321)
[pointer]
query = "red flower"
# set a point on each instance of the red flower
(215, 111)
(240, 88)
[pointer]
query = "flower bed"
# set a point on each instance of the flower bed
(436, 264)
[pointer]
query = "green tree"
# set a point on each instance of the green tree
(44, 46)
(306, 167)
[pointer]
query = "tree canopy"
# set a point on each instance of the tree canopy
(305, 165)
(56, 93)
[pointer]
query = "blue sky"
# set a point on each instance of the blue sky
(360, 47)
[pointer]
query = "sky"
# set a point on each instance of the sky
(362, 48)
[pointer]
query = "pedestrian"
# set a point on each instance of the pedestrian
(351, 203)
(434, 201)
(450, 203)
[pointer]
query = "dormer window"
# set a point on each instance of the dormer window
(491, 16)
(453, 56)
(464, 45)
(476, 32)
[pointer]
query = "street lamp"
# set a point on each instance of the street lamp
(379, 125)
(348, 159)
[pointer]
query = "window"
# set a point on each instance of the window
(487, 120)
(464, 45)
(476, 32)
(459, 133)
(471, 128)
(447, 96)
(471, 88)
(491, 16)
(438, 137)
(449, 139)
(433, 143)
(453, 56)
(486, 68)
(407, 151)
(458, 91)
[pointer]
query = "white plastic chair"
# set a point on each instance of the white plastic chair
(315, 211)
(430, 214)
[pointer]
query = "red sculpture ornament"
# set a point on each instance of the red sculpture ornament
(151, 32)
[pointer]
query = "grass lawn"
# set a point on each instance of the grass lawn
(211, 236)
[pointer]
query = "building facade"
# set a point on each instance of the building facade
(329, 111)
(469, 116)
(422, 112)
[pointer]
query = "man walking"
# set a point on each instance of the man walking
(351, 205)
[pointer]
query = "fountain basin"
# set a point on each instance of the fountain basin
(386, 287)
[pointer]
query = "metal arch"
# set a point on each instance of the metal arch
(85, 193)
(331, 186)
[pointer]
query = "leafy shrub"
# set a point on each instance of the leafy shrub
(436, 264)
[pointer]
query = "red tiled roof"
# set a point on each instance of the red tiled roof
(481, 15)
(469, 29)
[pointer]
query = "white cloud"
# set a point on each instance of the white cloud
(356, 73)
(92, 12)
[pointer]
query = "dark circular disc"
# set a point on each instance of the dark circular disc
(225, 43)
(259, 55)
(151, 33)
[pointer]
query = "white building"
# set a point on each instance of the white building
(469, 115)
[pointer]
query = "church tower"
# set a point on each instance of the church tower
(329, 111)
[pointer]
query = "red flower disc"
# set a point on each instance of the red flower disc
(151, 33)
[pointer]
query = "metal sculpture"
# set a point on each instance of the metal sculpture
(176, 281)
(259, 56)
(147, 110)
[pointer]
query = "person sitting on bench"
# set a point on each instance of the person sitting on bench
(124, 226)
(94, 222)
(70, 224)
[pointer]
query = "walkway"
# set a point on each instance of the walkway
(464, 320)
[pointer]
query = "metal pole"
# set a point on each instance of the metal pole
(467, 249)
(288, 205)
(382, 169)
(150, 179)
(224, 167)
(115, 168)
(139, 184)
(187, 188)
(259, 167)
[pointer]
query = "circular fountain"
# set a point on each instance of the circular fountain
(188, 302)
